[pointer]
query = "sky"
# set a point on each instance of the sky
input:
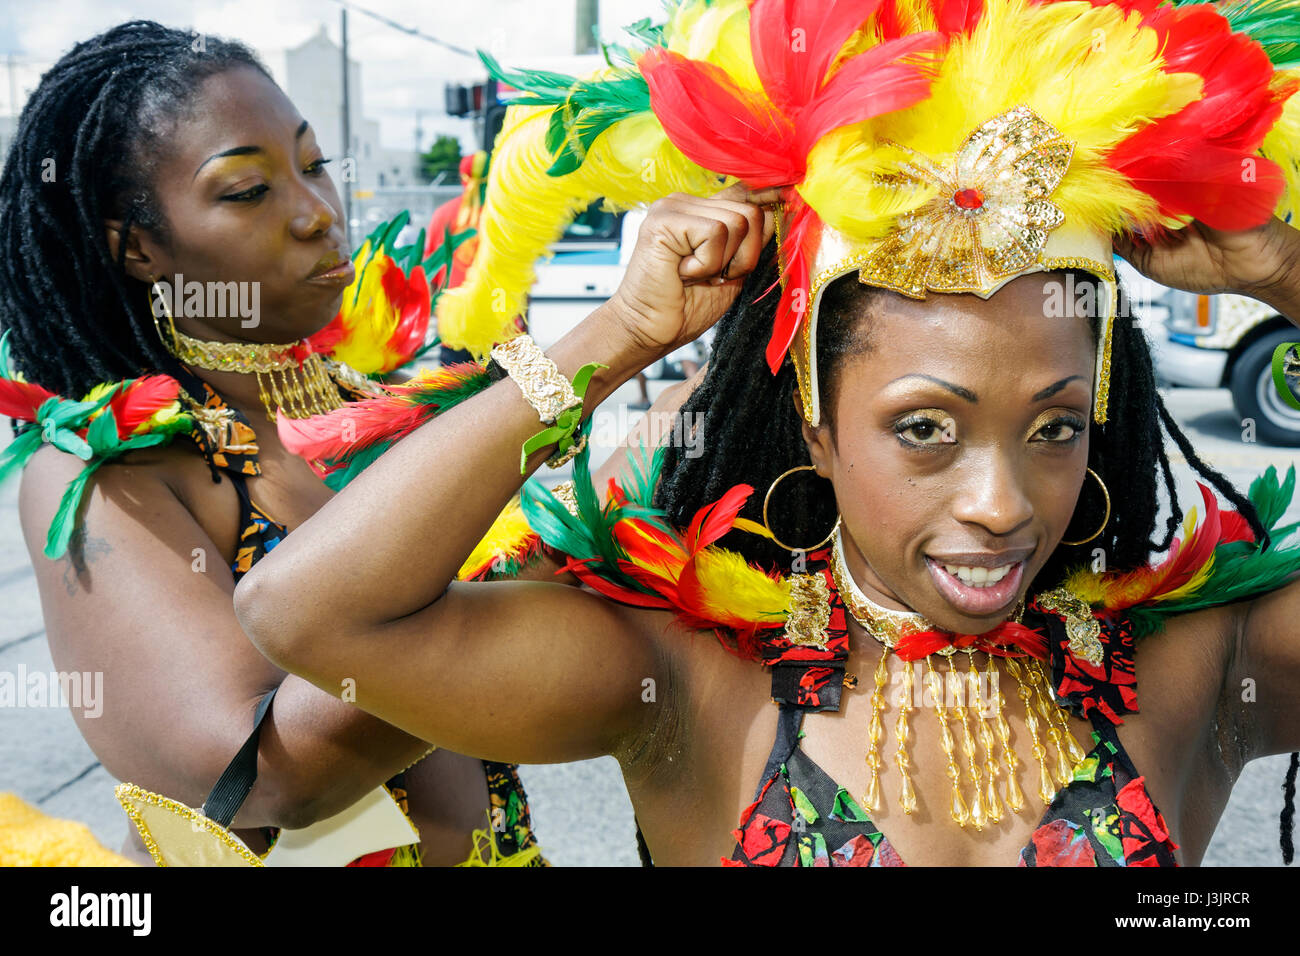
(400, 73)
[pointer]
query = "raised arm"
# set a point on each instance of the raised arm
(522, 671)
(1260, 687)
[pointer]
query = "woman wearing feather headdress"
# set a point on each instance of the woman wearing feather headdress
(927, 505)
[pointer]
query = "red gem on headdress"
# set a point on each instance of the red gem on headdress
(968, 198)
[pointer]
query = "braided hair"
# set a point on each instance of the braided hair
(86, 150)
(759, 437)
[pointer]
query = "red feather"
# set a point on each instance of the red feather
(794, 303)
(1188, 557)
(764, 138)
(714, 520)
(610, 590)
(794, 43)
(1184, 560)
(327, 339)
(329, 437)
(648, 544)
(140, 400)
(888, 77)
(959, 16)
(718, 125)
(1143, 7)
(414, 304)
(22, 399)
(1192, 161)
(1234, 527)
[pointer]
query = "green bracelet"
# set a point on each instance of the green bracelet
(560, 433)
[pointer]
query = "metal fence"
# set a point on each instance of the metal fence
(370, 207)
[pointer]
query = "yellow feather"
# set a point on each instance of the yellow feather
(369, 318)
(524, 211)
(742, 593)
(1091, 72)
(717, 32)
(508, 537)
(1282, 145)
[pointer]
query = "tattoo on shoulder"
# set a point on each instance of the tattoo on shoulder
(83, 550)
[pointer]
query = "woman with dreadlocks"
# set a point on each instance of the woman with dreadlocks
(145, 155)
(928, 497)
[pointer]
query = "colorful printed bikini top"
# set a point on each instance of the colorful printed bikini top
(1103, 817)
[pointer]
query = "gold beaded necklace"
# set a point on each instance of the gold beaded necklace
(984, 804)
(305, 386)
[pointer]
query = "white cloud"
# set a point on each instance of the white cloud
(400, 73)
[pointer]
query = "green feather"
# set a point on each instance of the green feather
(19, 451)
(585, 537)
(583, 109)
(1273, 24)
(357, 463)
(102, 433)
(1241, 570)
(589, 536)
(65, 519)
(543, 86)
(4, 356)
(651, 34)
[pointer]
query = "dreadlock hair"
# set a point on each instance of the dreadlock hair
(86, 150)
(755, 434)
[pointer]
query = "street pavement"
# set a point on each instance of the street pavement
(580, 810)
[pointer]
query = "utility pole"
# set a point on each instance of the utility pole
(588, 18)
(348, 187)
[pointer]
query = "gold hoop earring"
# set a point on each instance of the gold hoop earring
(1103, 520)
(175, 345)
(768, 527)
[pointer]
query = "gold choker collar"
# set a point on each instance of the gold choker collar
(296, 387)
(885, 625)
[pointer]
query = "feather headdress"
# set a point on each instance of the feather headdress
(929, 145)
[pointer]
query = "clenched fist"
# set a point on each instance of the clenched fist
(690, 260)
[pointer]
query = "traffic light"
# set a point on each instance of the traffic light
(457, 99)
(474, 100)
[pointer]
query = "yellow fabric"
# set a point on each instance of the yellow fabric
(486, 846)
(30, 838)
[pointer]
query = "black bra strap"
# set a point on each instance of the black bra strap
(233, 786)
(789, 720)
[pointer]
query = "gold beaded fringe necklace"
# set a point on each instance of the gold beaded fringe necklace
(304, 387)
(984, 804)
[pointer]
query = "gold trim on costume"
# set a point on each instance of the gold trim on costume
(991, 222)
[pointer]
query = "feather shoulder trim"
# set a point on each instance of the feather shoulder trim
(627, 550)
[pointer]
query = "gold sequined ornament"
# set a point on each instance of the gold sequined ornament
(984, 756)
(991, 216)
(988, 218)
